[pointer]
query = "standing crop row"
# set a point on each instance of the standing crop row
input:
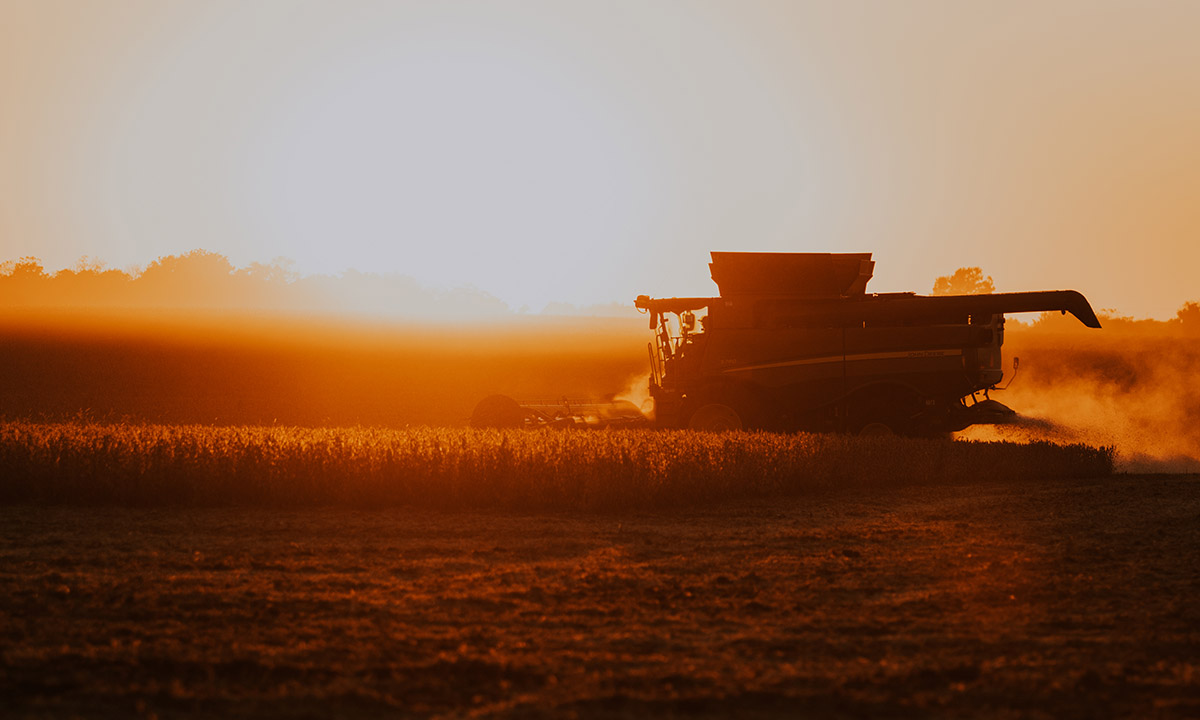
(465, 468)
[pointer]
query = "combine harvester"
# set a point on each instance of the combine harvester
(794, 342)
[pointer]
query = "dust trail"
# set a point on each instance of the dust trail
(1135, 390)
(1027, 429)
(1133, 453)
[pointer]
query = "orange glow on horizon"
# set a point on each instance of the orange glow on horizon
(588, 153)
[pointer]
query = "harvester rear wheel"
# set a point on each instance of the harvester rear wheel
(715, 417)
(498, 411)
(884, 410)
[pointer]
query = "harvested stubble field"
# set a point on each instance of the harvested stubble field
(1067, 598)
(281, 572)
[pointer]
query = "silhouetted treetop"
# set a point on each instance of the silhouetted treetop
(964, 281)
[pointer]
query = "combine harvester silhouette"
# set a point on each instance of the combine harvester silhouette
(794, 342)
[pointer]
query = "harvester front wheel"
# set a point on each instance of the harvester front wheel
(715, 417)
(498, 411)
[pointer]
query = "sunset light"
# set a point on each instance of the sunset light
(580, 153)
(595, 359)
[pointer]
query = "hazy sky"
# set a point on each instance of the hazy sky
(548, 150)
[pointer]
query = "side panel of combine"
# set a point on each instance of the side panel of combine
(781, 375)
(833, 378)
(773, 360)
(910, 379)
(932, 360)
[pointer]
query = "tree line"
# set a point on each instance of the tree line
(206, 280)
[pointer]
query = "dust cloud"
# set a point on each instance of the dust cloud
(637, 393)
(1134, 385)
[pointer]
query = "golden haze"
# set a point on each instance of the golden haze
(587, 152)
(191, 339)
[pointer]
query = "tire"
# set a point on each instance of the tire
(715, 417)
(498, 411)
(876, 428)
(883, 411)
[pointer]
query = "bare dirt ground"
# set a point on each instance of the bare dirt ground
(1076, 599)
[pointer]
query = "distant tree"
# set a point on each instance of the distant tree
(964, 281)
(27, 268)
(24, 282)
(197, 265)
(91, 285)
(280, 271)
(195, 279)
(89, 264)
(1188, 317)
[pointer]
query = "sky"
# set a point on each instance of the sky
(587, 152)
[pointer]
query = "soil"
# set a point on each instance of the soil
(1071, 599)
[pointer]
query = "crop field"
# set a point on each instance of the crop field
(453, 468)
